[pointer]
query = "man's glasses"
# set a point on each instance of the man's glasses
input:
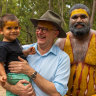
(43, 29)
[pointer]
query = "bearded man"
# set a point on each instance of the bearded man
(80, 45)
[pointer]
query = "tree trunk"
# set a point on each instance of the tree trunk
(62, 12)
(29, 35)
(0, 8)
(50, 4)
(59, 7)
(6, 5)
(93, 13)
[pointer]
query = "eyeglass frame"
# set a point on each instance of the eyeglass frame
(43, 29)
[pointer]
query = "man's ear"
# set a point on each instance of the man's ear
(57, 33)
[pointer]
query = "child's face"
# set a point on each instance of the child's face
(10, 31)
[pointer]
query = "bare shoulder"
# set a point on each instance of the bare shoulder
(60, 42)
(70, 33)
(93, 31)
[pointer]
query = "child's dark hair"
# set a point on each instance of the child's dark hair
(7, 17)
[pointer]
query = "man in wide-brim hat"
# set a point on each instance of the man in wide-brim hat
(49, 68)
(54, 19)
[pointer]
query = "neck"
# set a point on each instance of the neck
(5, 40)
(43, 49)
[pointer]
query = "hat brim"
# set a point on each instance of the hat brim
(62, 33)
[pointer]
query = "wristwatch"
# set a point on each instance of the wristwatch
(33, 76)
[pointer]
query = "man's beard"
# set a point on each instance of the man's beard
(80, 31)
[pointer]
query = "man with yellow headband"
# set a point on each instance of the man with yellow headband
(80, 45)
(10, 49)
(50, 67)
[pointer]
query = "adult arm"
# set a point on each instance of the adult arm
(60, 43)
(23, 67)
(20, 89)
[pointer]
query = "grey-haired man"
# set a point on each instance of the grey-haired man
(80, 44)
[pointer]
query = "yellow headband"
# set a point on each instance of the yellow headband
(79, 11)
(11, 23)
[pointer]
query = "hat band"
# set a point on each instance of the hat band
(79, 11)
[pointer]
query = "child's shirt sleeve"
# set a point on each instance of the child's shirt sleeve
(3, 54)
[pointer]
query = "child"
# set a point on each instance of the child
(10, 49)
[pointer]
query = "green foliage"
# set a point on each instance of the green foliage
(26, 9)
(1, 37)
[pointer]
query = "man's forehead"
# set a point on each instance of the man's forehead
(79, 15)
(79, 11)
(45, 24)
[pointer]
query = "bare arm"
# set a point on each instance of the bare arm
(60, 43)
(23, 67)
(2, 73)
(20, 89)
(46, 86)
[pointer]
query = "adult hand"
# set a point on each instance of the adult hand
(24, 90)
(19, 66)
(20, 89)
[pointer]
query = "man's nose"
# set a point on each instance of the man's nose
(79, 19)
(40, 31)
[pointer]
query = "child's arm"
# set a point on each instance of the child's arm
(3, 76)
(29, 51)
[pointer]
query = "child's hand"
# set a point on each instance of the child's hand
(32, 50)
(3, 78)
(29, 51)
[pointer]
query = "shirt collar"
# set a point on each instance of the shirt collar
(52, 50)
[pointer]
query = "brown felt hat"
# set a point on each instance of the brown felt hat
(54, 18)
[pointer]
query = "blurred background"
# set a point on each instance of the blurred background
(26, 9)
